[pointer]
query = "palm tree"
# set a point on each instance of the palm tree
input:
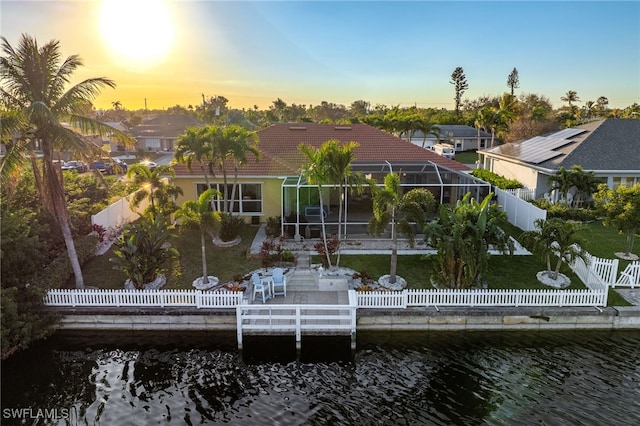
(152, 185)
(569, 97)
(316, 171)
(194, 147)
(198, 214)
(33, 84)
(555, 237)
(240, 142)
(585, 183)
(391, 206)
(562, 182)
(428, 128)
(339, 159)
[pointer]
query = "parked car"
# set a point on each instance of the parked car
(78, 166)
(120, 166)
(103, 166)
(150, 164)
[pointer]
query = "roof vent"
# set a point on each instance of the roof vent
(342, 127)
(297, 128)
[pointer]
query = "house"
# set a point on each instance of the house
(609, 148)
(273, 186)
(161, 132)
(114, 144)
(463, 138)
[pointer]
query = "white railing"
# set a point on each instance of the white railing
(297, 319)
(522, 193)
(142, 298)
(595, 273)
(481, 297)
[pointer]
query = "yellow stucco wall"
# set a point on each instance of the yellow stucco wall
(271, 193)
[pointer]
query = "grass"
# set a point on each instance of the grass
(604, 242)
(467, 157)
(223, 263)
(505, 272)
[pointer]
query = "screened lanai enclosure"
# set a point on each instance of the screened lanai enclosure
(301, 208)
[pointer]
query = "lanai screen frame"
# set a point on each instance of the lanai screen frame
(444, 179)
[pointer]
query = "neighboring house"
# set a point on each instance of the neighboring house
(274, 187)
(160, 133)
(609, 148)
(114, 144)
(463, 138)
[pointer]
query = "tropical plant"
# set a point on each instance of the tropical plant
(316, 171)
(585, 184)
(555, 238)
(155, 187)
(193, 147)
(34, 98)
(562, 182)
(621, 209)
(142, 251)
(570, 97)
(462, 236)
(391, 206)
(198, 214)
(227, 226)
(327, 250)
(339, 158)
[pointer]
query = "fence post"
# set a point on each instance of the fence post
(405, 298)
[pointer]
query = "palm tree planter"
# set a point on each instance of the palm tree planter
(197, 214)
(555, 238)
(390, 206)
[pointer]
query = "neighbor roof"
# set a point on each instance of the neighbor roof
(611, 144)
(454, 131)
(280, 155)
(164, 125)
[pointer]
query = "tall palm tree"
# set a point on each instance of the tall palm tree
(316, 171)
(585, 183)
(339, 159)
(390, 205)
(33, 84)
(570, 97)
(153, 186)
(240, 142)
(193, 147)
(198, 214)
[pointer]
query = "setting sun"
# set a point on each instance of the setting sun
(139, 33)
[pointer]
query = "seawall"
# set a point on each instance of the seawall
(417, 319)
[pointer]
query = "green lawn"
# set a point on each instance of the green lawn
(504, 271)
(467, 157)
(604, 242)
(223, 263)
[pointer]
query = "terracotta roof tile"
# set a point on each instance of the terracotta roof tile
(280, 155)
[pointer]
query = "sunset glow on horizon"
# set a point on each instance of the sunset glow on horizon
(163, 53)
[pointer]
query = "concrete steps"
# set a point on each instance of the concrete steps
(302, 280)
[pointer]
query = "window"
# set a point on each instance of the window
(247, 199)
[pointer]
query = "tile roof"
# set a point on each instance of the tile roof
(164, 125)
(279, 143)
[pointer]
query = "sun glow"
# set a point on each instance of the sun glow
(139, 33)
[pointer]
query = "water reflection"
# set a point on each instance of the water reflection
(400, 378)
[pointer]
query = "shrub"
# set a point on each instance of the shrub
(333, 243)
(271, 251)
(228, 226)
(565, 212)
(273, 226)
(496, 180)
(100, 231)
(59, 271)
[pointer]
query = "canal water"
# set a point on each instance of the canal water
(499, 378)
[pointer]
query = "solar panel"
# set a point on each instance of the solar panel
(567, 133)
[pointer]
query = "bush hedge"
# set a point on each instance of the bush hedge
(496, 180)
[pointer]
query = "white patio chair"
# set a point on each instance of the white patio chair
(630, 277)
(279, 283)
(260, 286)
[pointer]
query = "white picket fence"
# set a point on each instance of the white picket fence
(140, 298)
(481, 297)
(520, 213)
(523, 193)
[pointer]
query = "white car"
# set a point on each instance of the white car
(150, 164)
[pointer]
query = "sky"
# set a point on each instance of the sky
(166, 53)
